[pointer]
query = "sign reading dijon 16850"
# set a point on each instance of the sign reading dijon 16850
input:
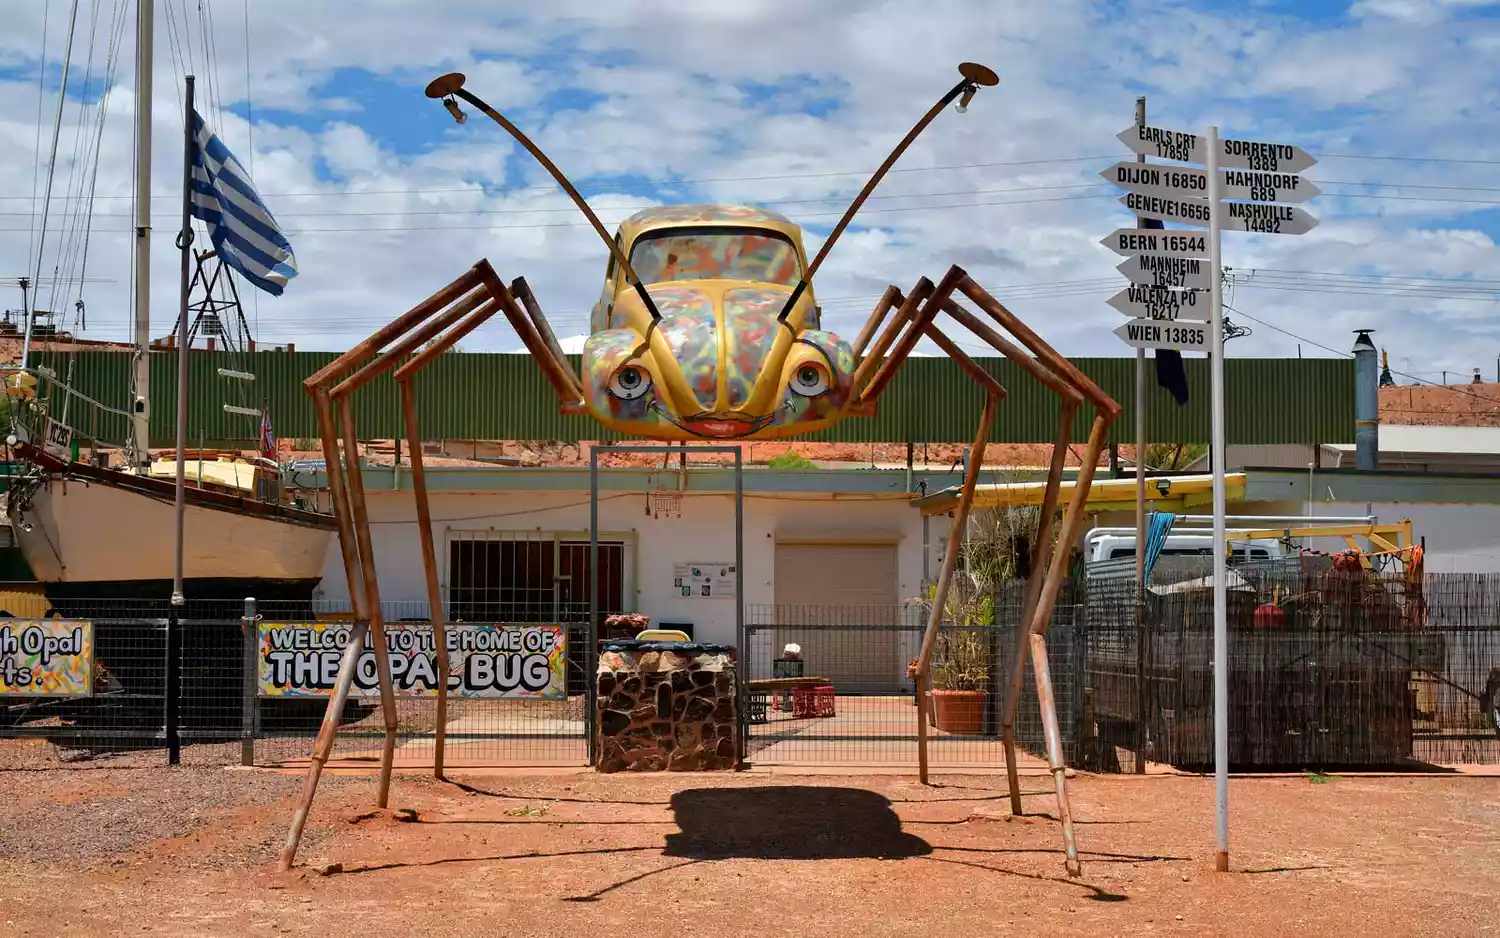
(301, 659)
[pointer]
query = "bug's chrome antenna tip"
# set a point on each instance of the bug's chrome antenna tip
(973, 71)
(445, 85)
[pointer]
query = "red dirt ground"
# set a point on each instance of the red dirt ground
(191, 851)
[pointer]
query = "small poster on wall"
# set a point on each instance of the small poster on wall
(704, 580)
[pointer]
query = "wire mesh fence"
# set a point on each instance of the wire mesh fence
(1328, 668)
(862, 655)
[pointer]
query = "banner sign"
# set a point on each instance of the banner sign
(46, 658)
(301, 659)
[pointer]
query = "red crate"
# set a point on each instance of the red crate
(813, 701)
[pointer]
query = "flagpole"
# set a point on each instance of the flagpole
(185, 245)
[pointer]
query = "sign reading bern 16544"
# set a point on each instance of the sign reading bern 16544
(301, 659)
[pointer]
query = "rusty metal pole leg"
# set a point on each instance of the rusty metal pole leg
(945, 577)
(1041, 556)
(1054, 749)
(324, 744)
(356, 485)
(429, 567)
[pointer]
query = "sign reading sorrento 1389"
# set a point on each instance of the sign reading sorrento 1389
(301, 659)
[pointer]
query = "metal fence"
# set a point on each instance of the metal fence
(862, 653)
(211, 712)
(1328, 669)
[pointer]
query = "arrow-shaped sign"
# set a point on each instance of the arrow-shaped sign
(1233, 154)
(1252, 186)
(1184, 211)
(1189, 182)
(1262, 218)
(1128, 241)
(1160, 303)
(1147, 333)
(1157, 271)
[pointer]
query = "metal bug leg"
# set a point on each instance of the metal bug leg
(404, 347)
(915, 318)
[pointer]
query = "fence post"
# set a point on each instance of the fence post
(173, 692)
(249, 702)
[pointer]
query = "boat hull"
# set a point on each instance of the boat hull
(93, 538)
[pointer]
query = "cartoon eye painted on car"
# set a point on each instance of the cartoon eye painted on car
(809, 380)
(630, 383)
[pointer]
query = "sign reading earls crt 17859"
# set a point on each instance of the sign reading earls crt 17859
(301, 659)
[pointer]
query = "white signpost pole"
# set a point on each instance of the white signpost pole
(1216, 406)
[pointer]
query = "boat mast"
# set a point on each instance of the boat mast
(140, 408)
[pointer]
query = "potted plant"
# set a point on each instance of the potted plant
(960, 681)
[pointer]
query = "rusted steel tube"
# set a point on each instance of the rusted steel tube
(473, 321)
(522, 291)
(1007, 348)
(372, 598)
(348, 550)
(1045, 352)
(430, 568)
(409, 343)
(1072, 522)
(970, 367)
(945, 576)
(1054, 750)
(890, 298)
(908, 341)
(903, 317)
(334, 369)
(1041, 554)
(323, 745)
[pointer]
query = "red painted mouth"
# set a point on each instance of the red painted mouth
(717, 426)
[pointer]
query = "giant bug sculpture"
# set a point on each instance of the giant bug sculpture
(707, 329)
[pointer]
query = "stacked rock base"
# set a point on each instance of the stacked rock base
(667, 706)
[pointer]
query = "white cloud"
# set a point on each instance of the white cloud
(664, 88)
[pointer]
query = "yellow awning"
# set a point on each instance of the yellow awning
(1168, 493)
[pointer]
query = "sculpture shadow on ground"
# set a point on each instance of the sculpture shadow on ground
(788, 823)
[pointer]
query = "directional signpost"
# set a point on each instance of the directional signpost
(1158, 271)
(1244, 185)
(1161, 303)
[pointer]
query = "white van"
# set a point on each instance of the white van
(1117, 544)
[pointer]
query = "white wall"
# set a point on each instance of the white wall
(704, 533)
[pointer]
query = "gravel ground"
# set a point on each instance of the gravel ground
(191, 851)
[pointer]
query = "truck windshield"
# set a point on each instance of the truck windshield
(715, 253)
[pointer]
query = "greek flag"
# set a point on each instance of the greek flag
(240, 226)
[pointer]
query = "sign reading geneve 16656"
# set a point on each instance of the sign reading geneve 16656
(301, 659)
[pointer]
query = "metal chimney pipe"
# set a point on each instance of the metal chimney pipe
(1366, 402)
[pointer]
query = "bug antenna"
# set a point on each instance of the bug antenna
(974, 76)
(447, 87)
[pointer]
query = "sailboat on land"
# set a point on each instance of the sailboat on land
(92, 531)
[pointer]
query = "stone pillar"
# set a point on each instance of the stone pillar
(667, 706)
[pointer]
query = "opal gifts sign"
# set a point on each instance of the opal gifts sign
(301, 659)
(46, 658)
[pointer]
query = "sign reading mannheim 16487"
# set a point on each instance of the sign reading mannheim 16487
(301, 659)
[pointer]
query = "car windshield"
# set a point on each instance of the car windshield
(715, 254)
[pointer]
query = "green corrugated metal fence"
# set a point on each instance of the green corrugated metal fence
(504, 397)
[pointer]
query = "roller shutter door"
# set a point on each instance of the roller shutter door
(849, 590)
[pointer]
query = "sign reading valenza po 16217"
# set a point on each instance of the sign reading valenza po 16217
(46, 658)
(301, 659)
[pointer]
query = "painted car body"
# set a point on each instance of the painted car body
(719, 364)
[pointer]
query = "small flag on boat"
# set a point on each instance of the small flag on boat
(240, 226)
(267, 436)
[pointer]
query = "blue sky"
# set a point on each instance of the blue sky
(787, 104)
